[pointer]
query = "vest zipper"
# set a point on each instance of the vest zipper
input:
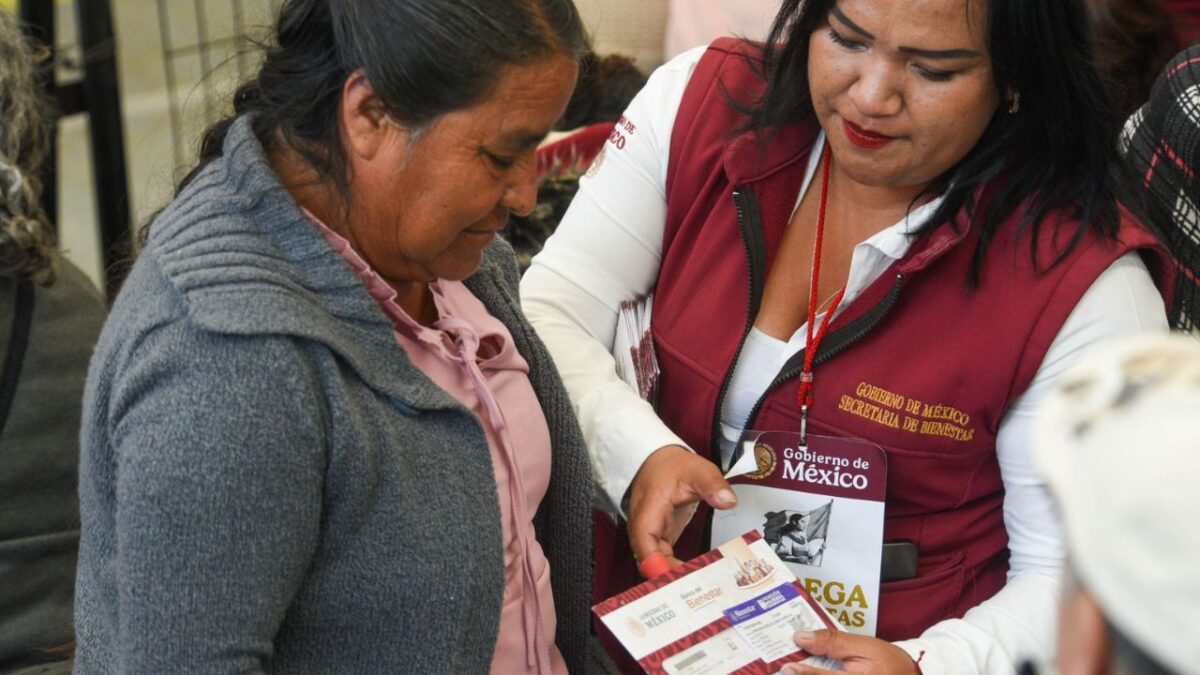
(750, 227)
(836, 343)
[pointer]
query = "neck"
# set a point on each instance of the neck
(883, 205)
(311, 191)
(324, 201)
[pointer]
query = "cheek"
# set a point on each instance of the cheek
(978, 106)
(955, 123)
(822, 72)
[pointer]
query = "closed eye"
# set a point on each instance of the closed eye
(933, 75)
(500, 161)
(843, 41)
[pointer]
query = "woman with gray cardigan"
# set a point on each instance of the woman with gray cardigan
(318, 435)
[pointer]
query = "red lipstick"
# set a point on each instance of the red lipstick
(863, 138)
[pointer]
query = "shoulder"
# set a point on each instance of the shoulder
(730, 67)
(236, 229)
(153, 338)
(727, 63)
(72, 302)
(157, 371)
(241, 257)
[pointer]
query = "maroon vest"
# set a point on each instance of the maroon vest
(922, 363)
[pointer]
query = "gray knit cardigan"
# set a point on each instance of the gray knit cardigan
(269, 485)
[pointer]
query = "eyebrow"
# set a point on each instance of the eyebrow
(926, 53)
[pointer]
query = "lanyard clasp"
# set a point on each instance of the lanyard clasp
(804, 425)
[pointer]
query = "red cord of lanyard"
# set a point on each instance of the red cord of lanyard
(804, 397)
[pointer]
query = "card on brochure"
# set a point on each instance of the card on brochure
(731, 610)
(820, 507)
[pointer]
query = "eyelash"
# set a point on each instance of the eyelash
(841, 41)
(933, 75)
(927, 73)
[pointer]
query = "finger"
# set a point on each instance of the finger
(832, 643)
(653, 565)
(680, 519)
(858, 653)
(801, 669)
(656, 564)
(706, 483)
(648, 527)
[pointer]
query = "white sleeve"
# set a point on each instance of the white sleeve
(1020, 622)
(608, 249)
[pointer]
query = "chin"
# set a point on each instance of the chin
(461, 267)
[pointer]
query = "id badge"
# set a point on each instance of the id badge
(820, 507)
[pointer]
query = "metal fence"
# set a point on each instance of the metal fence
(207, 47)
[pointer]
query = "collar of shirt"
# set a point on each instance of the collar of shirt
(873, 255)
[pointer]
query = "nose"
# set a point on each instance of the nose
(520, 196)
(877, 90)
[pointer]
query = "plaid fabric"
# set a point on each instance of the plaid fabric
(1161, 145)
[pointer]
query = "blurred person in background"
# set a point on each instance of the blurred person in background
(695, 23)
(50, 317)
(1160, 149)
(1187, 19)
(606, 86)
(319, 435)
(1117, 439)
(1134, 40)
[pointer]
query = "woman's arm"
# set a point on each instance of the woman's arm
(607, 250)
(217, 447)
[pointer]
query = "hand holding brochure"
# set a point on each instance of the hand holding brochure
(731, 610)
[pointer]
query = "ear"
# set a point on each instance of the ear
(363, 117)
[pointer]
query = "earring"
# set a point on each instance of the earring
(1014, 103)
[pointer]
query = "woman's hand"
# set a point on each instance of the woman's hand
(858, 654)
(663, 497)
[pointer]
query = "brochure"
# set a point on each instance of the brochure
(633, 347)
(731, 610)
(820, 508)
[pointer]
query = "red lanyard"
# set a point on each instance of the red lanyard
(804, 397)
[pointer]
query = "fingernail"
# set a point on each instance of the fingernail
(654, 565)
(805, 635)
(727, 496)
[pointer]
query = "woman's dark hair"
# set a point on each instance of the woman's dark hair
(1134, 40)
(606, 86)
(1057, 151)
(424, 58)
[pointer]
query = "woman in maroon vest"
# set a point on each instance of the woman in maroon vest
(956, 155)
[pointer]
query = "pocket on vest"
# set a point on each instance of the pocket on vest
(909, 606)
